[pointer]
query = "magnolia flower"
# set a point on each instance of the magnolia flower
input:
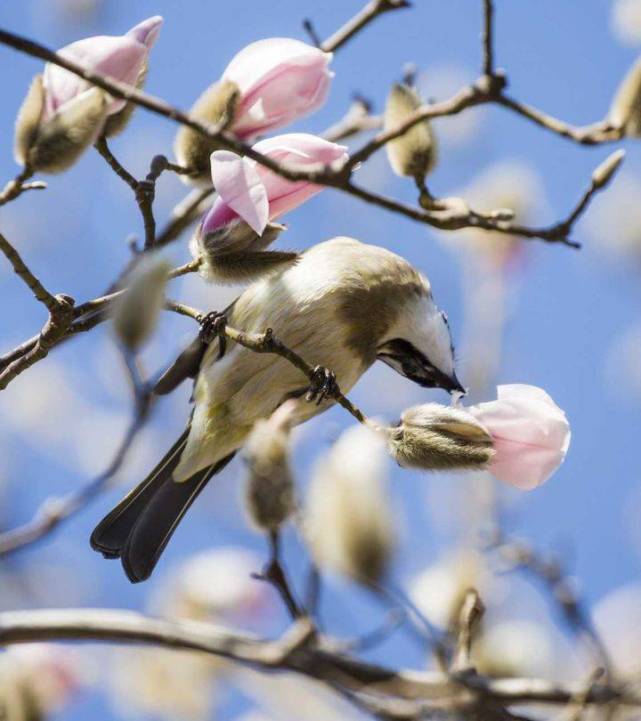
(268, 85)
(63, 113)
(530, 434)
(250, 196)
(280, 80)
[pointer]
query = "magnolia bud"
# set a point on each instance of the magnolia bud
(625, 110)
(63, 113)
(435, 437)
(235, 253)
(54, 145)
(136, 311)
(348, 519)
(413, 154)
(216, 105)
(270, 499)
(603, 174)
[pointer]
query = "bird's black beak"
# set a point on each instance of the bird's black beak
(411, 363)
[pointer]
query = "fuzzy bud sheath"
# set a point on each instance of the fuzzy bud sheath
(269, 497)
(348, 516)
(412, 154)
(136, 311)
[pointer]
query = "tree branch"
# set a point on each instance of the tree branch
(301, 651)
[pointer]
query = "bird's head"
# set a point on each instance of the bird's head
(419, 346)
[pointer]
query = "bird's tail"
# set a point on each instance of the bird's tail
(140, 526)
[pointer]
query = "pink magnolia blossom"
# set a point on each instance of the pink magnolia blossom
(120, 57)
(256, 194)
(280, 80)
(530, 434)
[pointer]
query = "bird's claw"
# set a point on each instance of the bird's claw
(212, 326)
(322, 385)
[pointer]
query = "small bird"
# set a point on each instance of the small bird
(342, 306)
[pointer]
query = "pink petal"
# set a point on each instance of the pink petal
(280, 80)
(530, 432)
(147, 31)
(118, 57)
(240, 187)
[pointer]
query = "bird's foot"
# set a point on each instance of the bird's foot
(323, 385)
(212, 325)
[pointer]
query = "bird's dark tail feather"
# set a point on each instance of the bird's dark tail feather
(140, 526)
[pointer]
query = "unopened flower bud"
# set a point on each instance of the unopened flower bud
(136, 311)
(63, 113)
(435, 437)
(413, 154)
(348, 518)
(603, 174)
(270, 498)
(625, 110)
(217, 105)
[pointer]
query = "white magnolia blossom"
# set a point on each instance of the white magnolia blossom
(625, 21)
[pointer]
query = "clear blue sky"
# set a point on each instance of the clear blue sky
(570, 307)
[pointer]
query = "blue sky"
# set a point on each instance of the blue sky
(567, 310)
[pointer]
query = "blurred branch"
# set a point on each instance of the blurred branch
(302, 651)
(357, 119)
(520, 556)
(487, 38)
(472, 611)
(485, 90)
(55, 510)
(185, 213)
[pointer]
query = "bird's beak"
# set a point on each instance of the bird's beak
(454, 385)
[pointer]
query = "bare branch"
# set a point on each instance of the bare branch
(472, 611)
(487, 38)
(357, 119)
(370, 12)
(18, 185)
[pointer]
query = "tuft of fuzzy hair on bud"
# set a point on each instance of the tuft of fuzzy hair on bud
(57, 143)
(28, 121)
(235, 253)
(604, 173)
(413, 154)
(115, 124)
(135, 313)
(270, 498)
(435, 438)
(625, 109)
(348, 520)
(217, 104)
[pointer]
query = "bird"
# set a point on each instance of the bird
(342, 306)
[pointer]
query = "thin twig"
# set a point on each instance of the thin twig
(18, 185)
(470, 615)
(487, 38)
(267, 343)
(20, 269)
(370, 12)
